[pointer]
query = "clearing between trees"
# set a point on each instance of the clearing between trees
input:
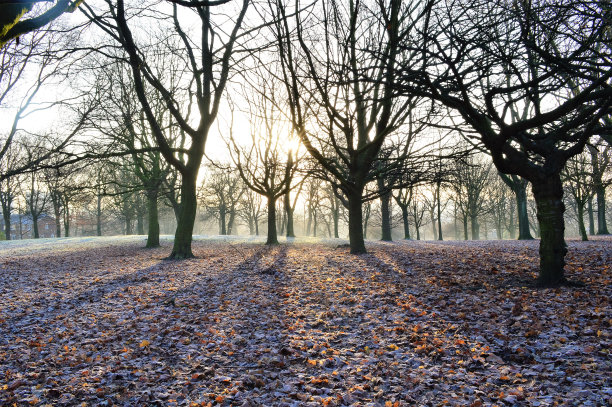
(107, 322)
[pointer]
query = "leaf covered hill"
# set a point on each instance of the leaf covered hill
(410, 323)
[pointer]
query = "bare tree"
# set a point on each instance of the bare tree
(601, 164)
(208, 66)
(221, 194)
(522, 51)
(266, 165)
(341, 97)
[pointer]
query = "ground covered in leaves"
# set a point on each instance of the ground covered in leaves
(410, 323)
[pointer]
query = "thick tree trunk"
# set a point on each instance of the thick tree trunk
(230, 222)
(356, 235)
(548, 195)
(140, 223)
(222, 229)
(251, 227)
(289, 212)
(520, 194)
(187, 213)
(7, 224)
(57, 212)
(405, 221)
(581, 226)
(153, 232)
(256, 227)
(66, 221)
(272, 237)
(590, 215)
(465, 228)
(475, 227)
(35, 226)
(385, 211)
(602, 227)
(511, 226)
(128, 226)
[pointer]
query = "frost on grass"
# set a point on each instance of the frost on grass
(307, 324)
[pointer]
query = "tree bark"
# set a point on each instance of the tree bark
(405, 221)
(581, 226)
(439, 212)
(222, 229)
(520, 194)
(187, 213)
(475, 227)
(66, 221)
(600, 193)
(99, 216)
(385, 210)
(152, 213)
(139, 223)
(35, 226)
(356, 236)
(7, 224)
(548, 193)
(336, 220)
(289, 212)
(272, 237)
(590, 215)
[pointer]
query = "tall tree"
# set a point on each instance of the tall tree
(208, 52)
(600, 164)
(266, 165)
(480, 58)
(342, 100)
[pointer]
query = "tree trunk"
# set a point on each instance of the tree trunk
(140, 223)
(272, 237)
(405, 221)
(128, 226)
(186, 221)
(289, 212)
(548, 195)
(153, 232)
(581, 226)
(356, 235)
(7, 224)
(385, 211)
(35, 226)
(336, 220)
(465, 228)
(58, 214)
(99, 216)
(256, 227)
(511, 228)
(602, 227)
(66, 221)
(590, 214)
(231, 220)
(222, 229)
(475, 227)
(521, 209)
(439, 213)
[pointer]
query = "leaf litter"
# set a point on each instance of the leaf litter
(409, 323)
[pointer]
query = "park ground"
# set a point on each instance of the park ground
(102, 321)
